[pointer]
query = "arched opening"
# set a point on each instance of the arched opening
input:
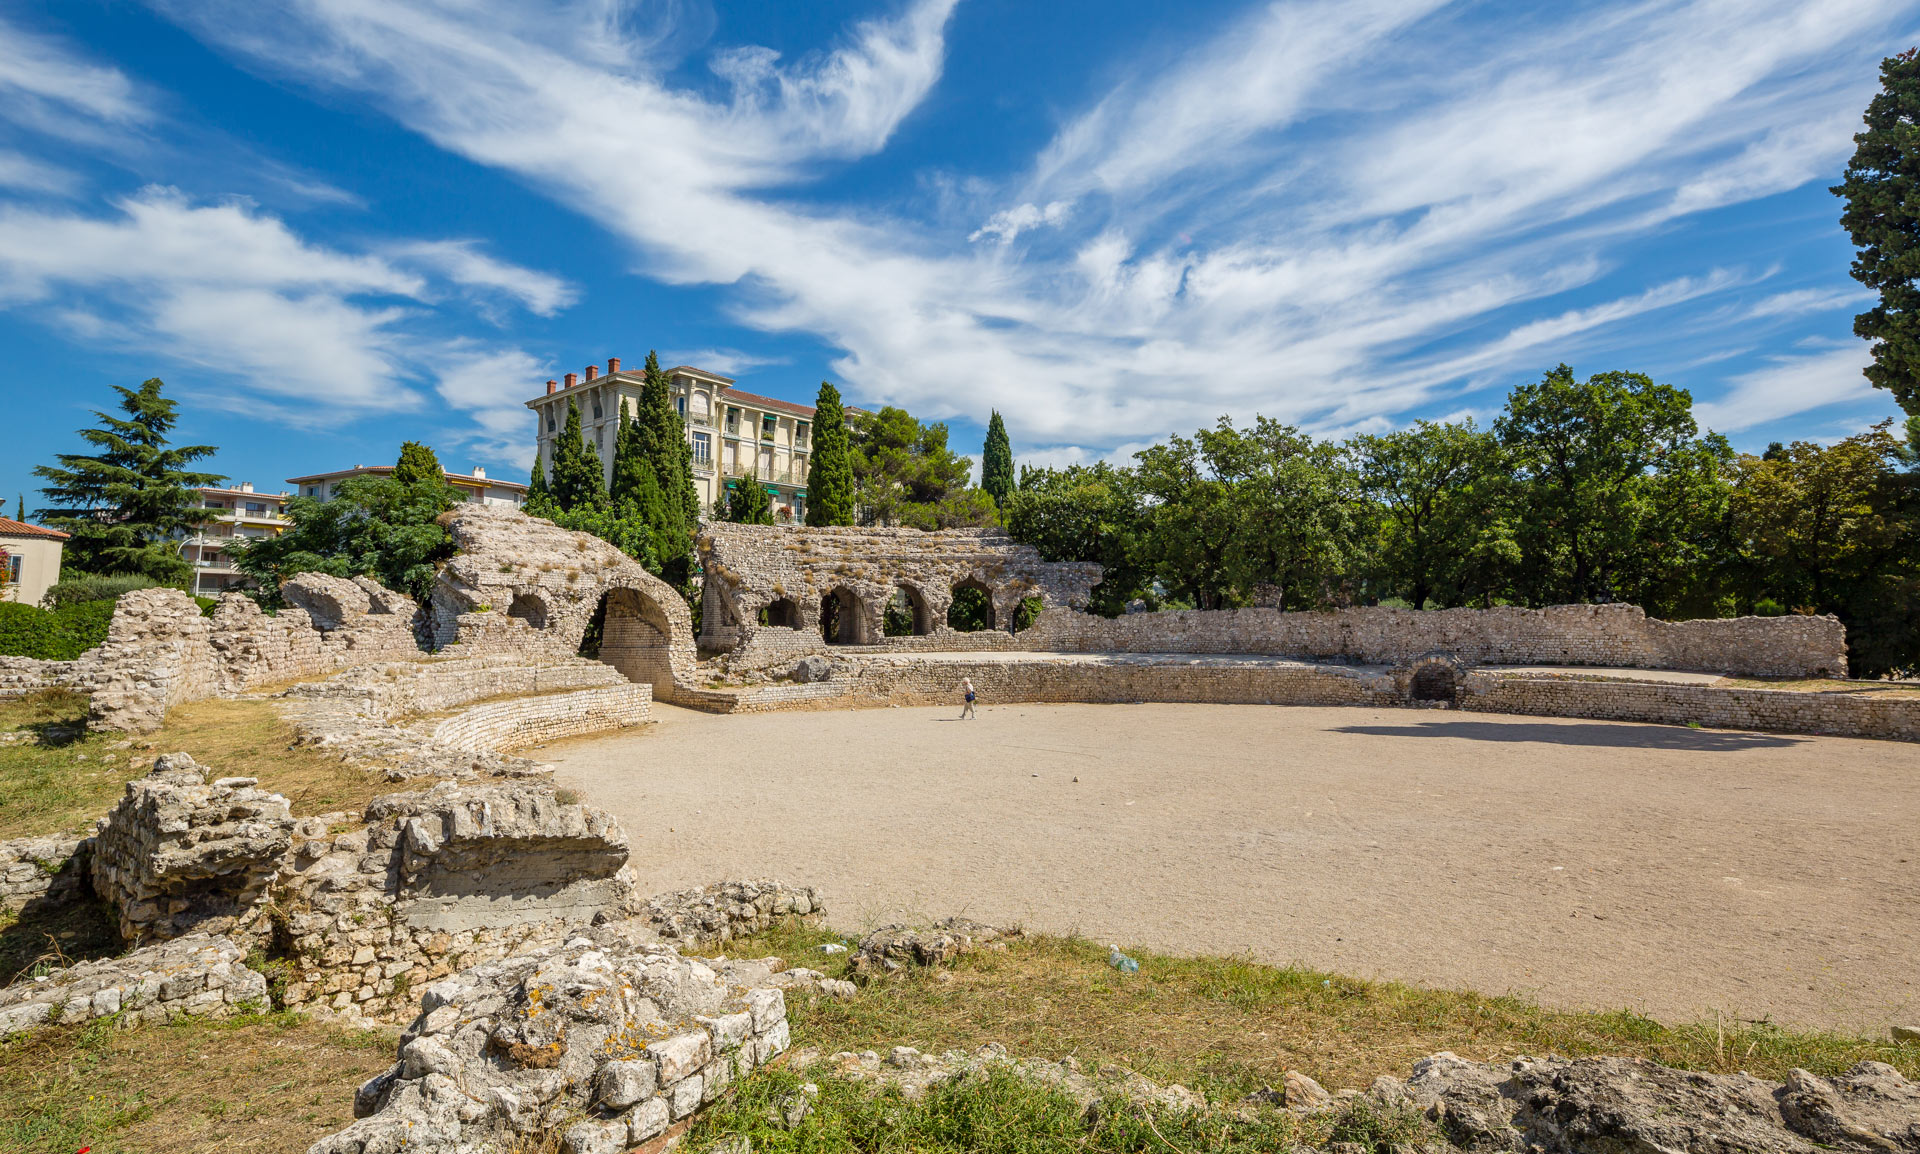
(1433, 681)
(529, 608)
(1026, 613)
(843, 618)
(907, 614)
(972, 607)
(782, 614)
(633, 636)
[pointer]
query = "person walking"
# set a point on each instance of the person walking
(966, 688)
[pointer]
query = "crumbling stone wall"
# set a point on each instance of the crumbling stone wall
(524, 585)
(789, 571)
(54, 870)
(197, 976)
(1893, 717)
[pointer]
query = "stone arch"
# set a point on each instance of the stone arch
(781, 613)
(636, 636)
(918, 615)
(530, 608)
(971, 608)
(843, 617)
(1434, 677)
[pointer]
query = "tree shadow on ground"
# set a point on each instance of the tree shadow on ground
(1624, 735)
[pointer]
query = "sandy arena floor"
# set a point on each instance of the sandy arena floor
(1592, 864)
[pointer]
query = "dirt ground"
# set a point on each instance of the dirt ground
(1592, 865)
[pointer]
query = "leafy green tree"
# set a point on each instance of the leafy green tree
(579, 480)
(125, 505)
(830, 475)
(1085, 513)
(418, 465)
(1582, 452)
(746, 501)
(539, 498)
(1445, 529)
(996, 462)
(905, 474)
(618, 525)
(373, 526)
(1188, 523)
(1297, 520)
(1882, 216)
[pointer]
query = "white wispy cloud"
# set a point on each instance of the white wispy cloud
(1301, 214)
(1788, 386)
(238, 292)
(462, 262)
(44, 84)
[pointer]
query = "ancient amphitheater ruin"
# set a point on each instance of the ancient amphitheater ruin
(476, 889)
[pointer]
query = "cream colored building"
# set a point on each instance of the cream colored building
(475, 488)
(732, 432)
(236, 514)
(33, 560)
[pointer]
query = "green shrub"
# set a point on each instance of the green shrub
(53, 635)
(86, 587)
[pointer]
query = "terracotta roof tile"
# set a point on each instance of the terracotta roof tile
(12, 528)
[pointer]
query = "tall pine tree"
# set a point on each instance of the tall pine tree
(830, 477)
(996, 462)
(579, 480)
(539, 497)
(125, 505)
(1882, 191)
(636, 485)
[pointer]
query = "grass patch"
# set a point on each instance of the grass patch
(65, 778)
(1004, 1114)
(267, 1083)
(1227, 1026)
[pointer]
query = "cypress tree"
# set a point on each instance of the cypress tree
(418, 465)
(747, 502)
(579, 482)
(1882, 192)
(125, 505)
(539, 497)
(636, 486)
(830, 477)
(996, 462)
(20, 507)
(660, 439)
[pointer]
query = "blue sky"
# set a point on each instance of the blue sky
(331, 225)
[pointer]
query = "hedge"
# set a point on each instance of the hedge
(53, 635)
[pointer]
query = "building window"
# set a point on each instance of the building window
(596, 406)
(702, 448)
(733, 419)
(13, 568)
(680, 406)
(800, 430)
(700, 407)
(549, 419)
(767, 424)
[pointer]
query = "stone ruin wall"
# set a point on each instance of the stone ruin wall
(752, 568)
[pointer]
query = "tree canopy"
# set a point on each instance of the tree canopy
(126, 505)
(578, 478)
(830, 474)
(996, 462)
(905, 474)
(417, 465)
(1881, 188)
(373, 526)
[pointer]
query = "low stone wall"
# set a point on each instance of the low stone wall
(537, 720)
(1884, 716)
(389, 690)
(53, 870)
(1603, 635)
(197, 976)
(20, 676)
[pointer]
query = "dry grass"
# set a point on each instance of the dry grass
(66, 778)
(272, 1083)
(1821, 685)
(1233, 1025)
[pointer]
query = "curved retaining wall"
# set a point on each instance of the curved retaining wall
(523, 721)
(1884, 716)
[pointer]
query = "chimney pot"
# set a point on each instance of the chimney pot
(551, 385)
(613, 365)
(573, 379)
(480, 471)
(593, 371)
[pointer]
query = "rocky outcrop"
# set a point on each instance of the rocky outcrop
(51, 870)
(893, 948)
(728, 910)
(1578, 1106)
(181, 852)
(195, 976)
(603, 1042)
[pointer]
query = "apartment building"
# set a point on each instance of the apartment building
(475, 488)
(236, 514)
(735, 435)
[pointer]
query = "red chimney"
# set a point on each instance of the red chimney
(573, 379)
(593, 371)
(550, 388)
(613, 365)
